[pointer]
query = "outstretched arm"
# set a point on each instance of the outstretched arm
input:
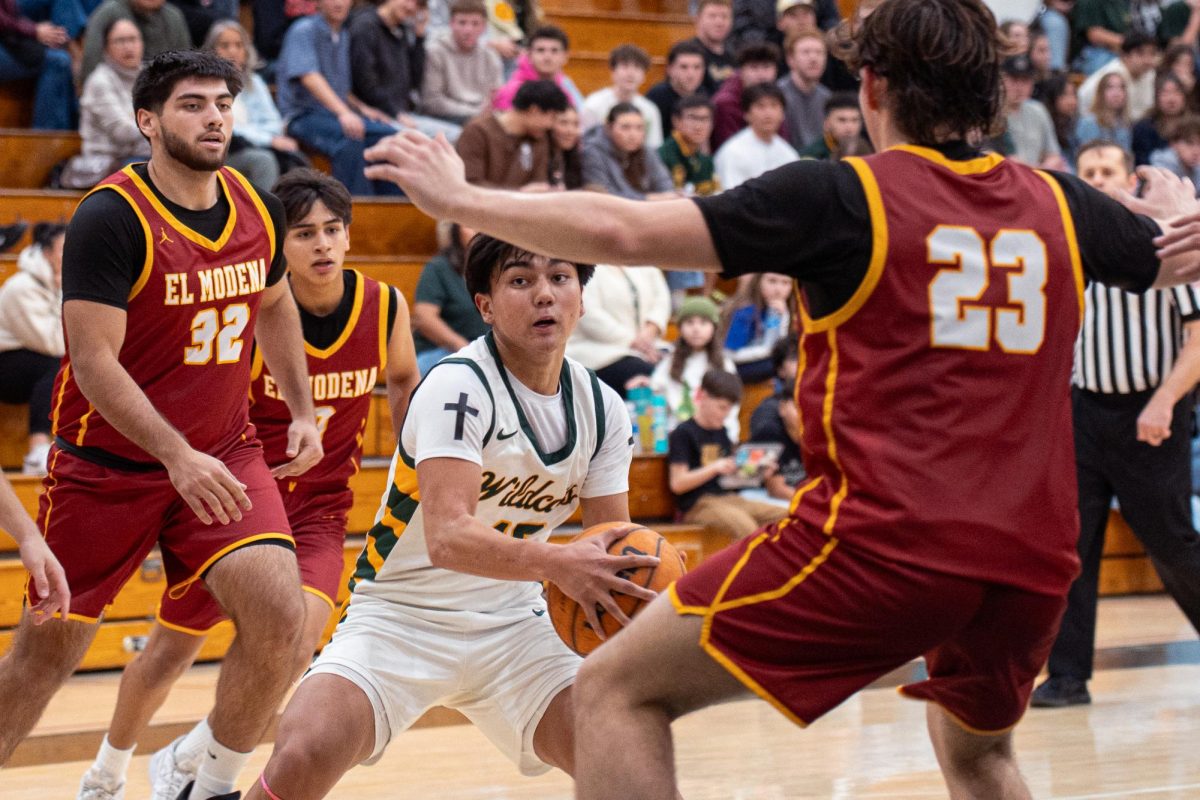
(580, 226)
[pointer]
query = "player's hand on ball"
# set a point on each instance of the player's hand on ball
(589, 575)
(48, 578)
(303, 448)
(208, 487)
(428, 170)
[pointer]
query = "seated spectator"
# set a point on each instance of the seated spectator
(1139, 55)
(1100, 26)
(627, 66)
(444, 316)
(698, 349)
(511, 149)
(201, 15)
(759, 148)
(1182, 156)
(714, 20)
(37, 50)
(1108, 117)
(804, 96)
(508, 23)
(1039, 56)
(547, 56)
(759, 316)
(777, 421)
(617, 158)
(387, 64)
(685, 153)
(1016, 36)
(627, 312)
(1058, 96)
(842, 131)
(700, 453)
(461, 74)
(258, 149)
(685, 75)
(31, 336)
(162, 27)
(1151, 132)
(758, 21)
(1180, 61)
(566, 151)
(1054, 20)
(756, 63)
(313, 89)
(1029, 131)
(109, 134)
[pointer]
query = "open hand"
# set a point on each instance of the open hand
(428, 170)
(208, 487)
(589, 575)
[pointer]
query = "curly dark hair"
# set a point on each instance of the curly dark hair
(941, 59)
(157, 80)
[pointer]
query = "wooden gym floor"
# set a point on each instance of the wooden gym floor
(1136, 740)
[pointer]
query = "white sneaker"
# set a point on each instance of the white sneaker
(98, 785)
(35, 460)
(167, 776)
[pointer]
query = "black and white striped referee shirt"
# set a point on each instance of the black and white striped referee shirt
(1129, 342)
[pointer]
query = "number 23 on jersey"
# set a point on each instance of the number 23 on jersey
(959, 318)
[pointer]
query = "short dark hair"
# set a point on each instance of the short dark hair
(1137, 39)
(722, 385)
(619, 109)
(468, 7)
(300, 189)
(761, 91)
(691, 101)
(550, 32)
(1186, 127)
(543, 94)
(941, 59)
(1104, 144)
(757, 53)
(786, 349)
(688, 47)
(839, 100)
(628, 54)
(486, 254)
(160, 76)
(44, 233)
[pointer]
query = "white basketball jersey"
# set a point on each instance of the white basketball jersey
(525, 492)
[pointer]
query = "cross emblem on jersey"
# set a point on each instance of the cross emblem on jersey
(461, 410)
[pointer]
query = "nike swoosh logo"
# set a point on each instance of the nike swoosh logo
(211, 754)
(501, 436)
(537, 612)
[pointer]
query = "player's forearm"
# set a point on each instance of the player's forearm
(399, 392)
(465, 544)
(319, 88)
(1186, 371)
(13, 519)
(278, 334)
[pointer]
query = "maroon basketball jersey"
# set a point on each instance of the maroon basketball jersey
(342, 377)
(189, 324)
(935, 405)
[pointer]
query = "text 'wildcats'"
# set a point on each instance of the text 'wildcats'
(524, 494)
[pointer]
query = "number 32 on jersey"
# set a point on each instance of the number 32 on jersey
(959, 319)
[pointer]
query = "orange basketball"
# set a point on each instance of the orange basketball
(567, 615)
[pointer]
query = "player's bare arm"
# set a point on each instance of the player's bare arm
(402, 374)
(47, 573)
(282, 342)
(1154, 423)
(459, 541)
(96, 332)
(584, 227)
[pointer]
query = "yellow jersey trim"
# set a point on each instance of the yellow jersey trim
(350, 324)
(258, 204)
(180, 589)
(1072, 241)
(385, 303)
(148, 263)
(62, 390)
(957, 720)
(318, 593)
(171, 626)
(179, 227)
(83, 425)
(827, 418)
(974, 166)
(879, 250)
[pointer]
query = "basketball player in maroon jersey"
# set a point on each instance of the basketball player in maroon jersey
(169, 270)
(941, 293)
(356, 333)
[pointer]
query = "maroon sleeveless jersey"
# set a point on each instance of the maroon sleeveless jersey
(342, 377)
(189, 322)
(935, 404)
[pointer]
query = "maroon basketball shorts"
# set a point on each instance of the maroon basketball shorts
(805, 620)
(102, 522)
(318, 519)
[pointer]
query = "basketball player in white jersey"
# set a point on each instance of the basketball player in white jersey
(501, 442)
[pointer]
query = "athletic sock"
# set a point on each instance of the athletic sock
(112, 762)
(218, 771)
(191, 747)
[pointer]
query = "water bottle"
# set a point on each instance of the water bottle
(658, 405)
(631, 409)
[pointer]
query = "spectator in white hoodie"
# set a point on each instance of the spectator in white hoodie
(31, 336)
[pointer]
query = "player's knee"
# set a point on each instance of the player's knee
(597, 685)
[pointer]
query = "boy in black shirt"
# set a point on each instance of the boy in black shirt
(700, 454)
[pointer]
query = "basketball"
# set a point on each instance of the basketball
(569, 620)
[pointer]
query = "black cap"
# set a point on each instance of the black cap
(1018, 67)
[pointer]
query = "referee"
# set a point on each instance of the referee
(1136, 362)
